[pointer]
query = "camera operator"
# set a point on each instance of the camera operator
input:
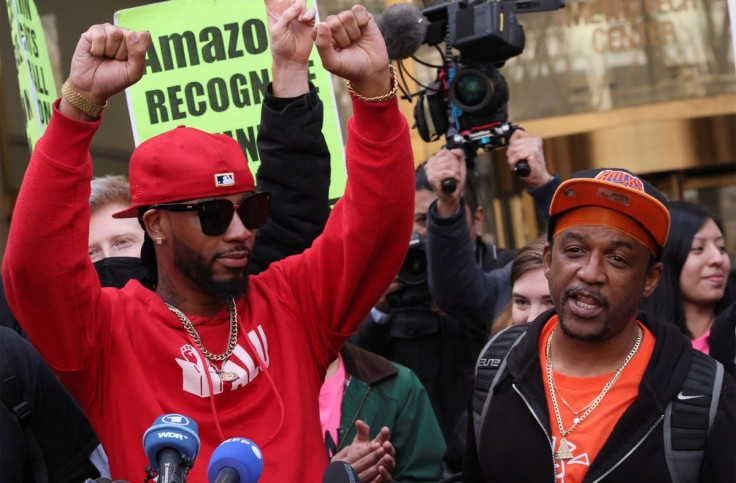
(407, 325)
(463, 288)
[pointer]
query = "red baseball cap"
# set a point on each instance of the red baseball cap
(618, 190)
(184, 164)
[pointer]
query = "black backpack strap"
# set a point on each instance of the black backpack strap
(689, 417)
(491, 363)
(11, 393)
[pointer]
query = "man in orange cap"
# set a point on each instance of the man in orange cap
(582, 393)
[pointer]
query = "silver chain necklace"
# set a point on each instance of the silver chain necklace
(232, 338)
(565, 452)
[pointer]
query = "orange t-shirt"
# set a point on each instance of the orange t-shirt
(588, 438)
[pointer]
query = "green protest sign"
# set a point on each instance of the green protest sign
(208, 67)
(35, 78)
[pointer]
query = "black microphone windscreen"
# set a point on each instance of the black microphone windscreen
(340, 472)
(403, 28)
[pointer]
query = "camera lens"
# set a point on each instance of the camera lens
(414, 269)
(415, 264)
(471, 90)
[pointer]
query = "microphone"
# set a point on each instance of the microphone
(171, 445)
(340, 472)
(404, 29)
(236, 460)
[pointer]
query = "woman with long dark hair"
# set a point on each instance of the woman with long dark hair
(696, 291)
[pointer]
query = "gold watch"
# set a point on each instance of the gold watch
(78, 100)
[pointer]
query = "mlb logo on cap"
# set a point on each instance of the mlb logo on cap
(215, 165)
(224, 179)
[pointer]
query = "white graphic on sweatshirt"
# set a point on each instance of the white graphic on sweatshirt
(240, 362)
(193, 373)
(561, 465)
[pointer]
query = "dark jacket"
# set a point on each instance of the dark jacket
(381, 393)
(295, 168)
(722, 339)
(440, 349)
(62, 434)
(491, 256)
(514, 440)
(457, 284)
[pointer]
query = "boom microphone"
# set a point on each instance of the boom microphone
(403, 28)
(340, 472)
(171, 445)
(236, 460)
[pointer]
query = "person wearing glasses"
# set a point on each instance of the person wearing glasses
(242, 356)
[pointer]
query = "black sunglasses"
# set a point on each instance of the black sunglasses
(215, 215)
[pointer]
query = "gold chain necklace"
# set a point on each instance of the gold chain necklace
(565, 452)
(232, 338)
(567, 405)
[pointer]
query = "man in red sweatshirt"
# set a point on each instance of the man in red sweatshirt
(241, 356)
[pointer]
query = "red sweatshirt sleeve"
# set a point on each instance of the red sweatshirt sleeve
(50, 282)
(366, 237)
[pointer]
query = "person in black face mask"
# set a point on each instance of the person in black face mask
(110, 237)
(114, 244)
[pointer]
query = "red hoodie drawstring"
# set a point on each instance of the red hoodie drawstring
(262, 364)
(282, 411)
(211, 388)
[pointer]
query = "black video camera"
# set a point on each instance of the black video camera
(414, 269)
(413, 273)
(467, 103)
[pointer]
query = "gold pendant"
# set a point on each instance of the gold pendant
(227, 376)
(564, 452)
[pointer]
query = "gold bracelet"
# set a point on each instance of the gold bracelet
(391, 94)
(80, 102)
